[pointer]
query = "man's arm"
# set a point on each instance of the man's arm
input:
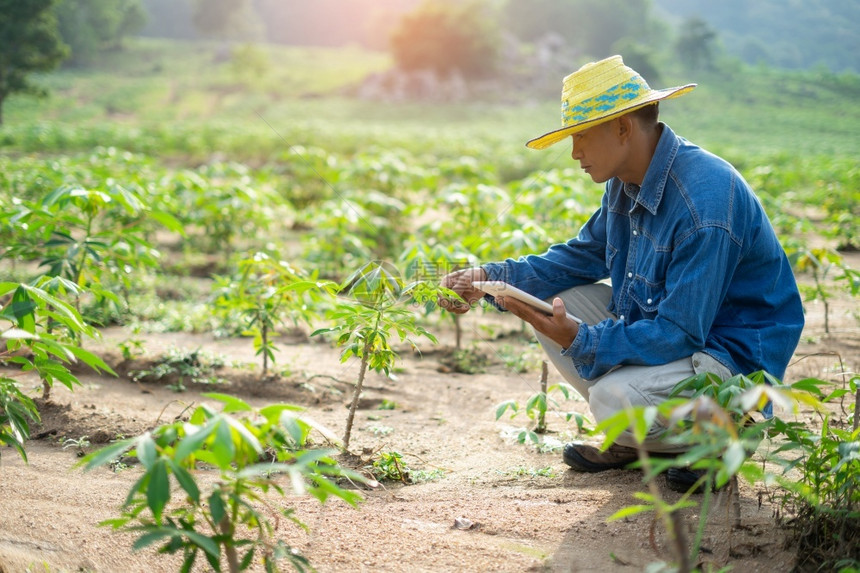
(581, 260)
(696, 283)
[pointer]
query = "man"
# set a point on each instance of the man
(699, 280)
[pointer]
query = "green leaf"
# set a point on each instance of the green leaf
(272, 412)
(89, 359)
(194, 438)
(223, 449)
(114, 523)
(752, 472)
(186, 480)
(158, 490)
(247, 436)
(188, 562)
(7, 287)
(206, 543)
(231, 403)
(642, 423)
(734, 457)
(106, 455)
(216, 507)
(247, 559)
(19, 334)
(22, 307)
(146, 450)
(629, 510)
(167, 220)
(614, 426)
(501, 408)
(153, 536)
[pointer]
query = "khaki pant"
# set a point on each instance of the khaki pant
(624, 386)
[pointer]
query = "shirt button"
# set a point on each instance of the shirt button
(621, 317)
(629, 275)
(635, 232)
(649, 301)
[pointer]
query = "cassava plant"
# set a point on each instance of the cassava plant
(424, 262)
(370, 310)
(537, 406)
(823, 264)
(41, 333)
(94, 238)
(720, 426)
(268, 293)
(229, 520)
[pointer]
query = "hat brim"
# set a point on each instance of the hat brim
(557, 135)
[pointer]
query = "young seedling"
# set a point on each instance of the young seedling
(423, 262)
(821, 263)
(254, 453)
(371, 308)
(537, 405)
(717, 427)
(268, 294)
(81, 444)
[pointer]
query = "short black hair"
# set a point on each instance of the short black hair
(647, 115)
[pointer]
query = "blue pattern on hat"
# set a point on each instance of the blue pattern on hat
(606, 101)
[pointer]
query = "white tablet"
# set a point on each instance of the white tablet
(500, 288)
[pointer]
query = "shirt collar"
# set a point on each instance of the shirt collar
(651, 192)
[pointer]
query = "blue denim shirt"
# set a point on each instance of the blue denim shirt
(695, 265)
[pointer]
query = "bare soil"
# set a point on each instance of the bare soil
(525, 511)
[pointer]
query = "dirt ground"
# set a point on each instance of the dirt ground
(527, 512)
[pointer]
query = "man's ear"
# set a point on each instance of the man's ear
(624, 127)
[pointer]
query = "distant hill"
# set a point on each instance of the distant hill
(781, 33)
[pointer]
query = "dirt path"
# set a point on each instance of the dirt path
(529, 513)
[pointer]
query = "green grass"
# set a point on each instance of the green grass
(175, 98)
(174, 101)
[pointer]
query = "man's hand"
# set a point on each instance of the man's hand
(557, 327)
(461, 283)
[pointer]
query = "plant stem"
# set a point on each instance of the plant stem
(857, 410)
(671, 521)
(229, 550)
(265, 340)
(819, 288)
(354, 405)
(80, 278)
(704, 508)
(735, 498)
(544, 374)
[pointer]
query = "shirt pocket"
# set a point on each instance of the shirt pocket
(611, 251)
(647, 295)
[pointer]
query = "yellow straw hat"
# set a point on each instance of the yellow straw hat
(598, 92)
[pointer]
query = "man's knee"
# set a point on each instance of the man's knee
(610, 396)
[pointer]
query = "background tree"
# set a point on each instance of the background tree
(29, 42)
(639, 57)
(92, 26)
(794, 34)
(226, 19)
(696, 45)
(592, 27)
(445, 36)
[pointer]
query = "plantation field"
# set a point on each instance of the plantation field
(198, 218)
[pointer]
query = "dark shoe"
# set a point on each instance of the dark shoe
(583, 458)
(682, 480)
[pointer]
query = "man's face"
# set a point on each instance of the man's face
(598, 151)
